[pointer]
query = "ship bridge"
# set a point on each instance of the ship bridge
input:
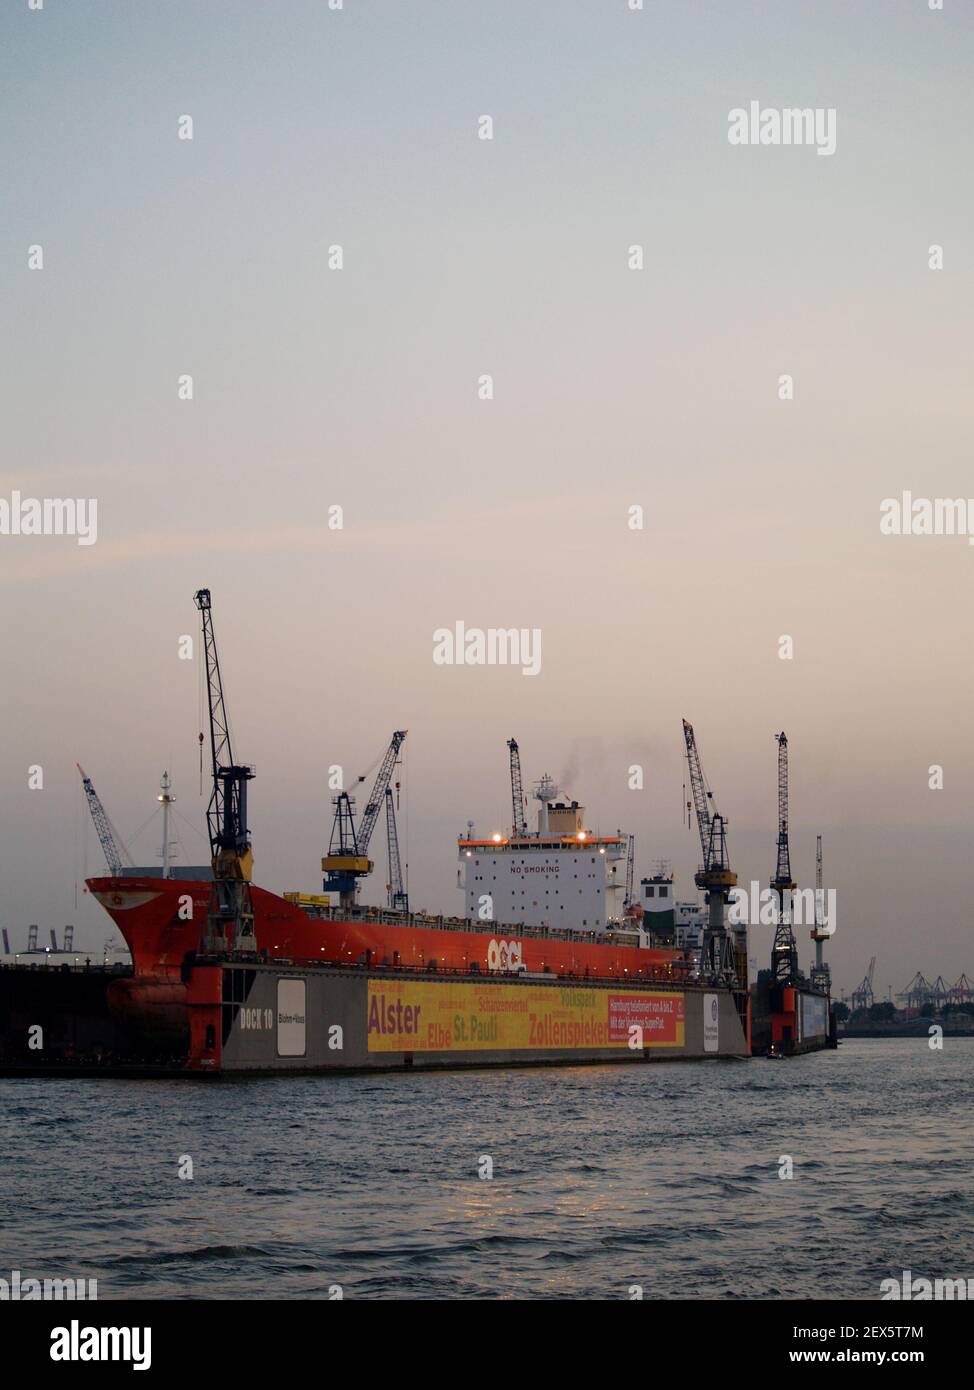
(562, 877)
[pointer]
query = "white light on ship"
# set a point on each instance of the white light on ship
(601, 851)
(497, 839)
(581, 834)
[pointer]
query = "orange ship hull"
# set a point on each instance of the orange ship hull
(161, 921)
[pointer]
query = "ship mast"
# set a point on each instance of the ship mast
(167, 798)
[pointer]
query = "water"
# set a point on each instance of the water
(664, 1176)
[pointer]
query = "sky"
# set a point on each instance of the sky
(613, 388)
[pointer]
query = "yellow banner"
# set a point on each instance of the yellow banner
(420, 1016)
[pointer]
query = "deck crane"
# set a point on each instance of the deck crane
(398, 897)
(519, 823)
(230, 922)
(348, 859)
(784, 952)
(821, 974)
(117, 856)
(715, 875)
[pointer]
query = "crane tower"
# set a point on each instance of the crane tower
(784, 952)
(715, 875)
(230, 922)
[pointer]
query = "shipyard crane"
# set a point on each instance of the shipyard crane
(863, 997)
(960, 992)
(398, 897)
(715, 876)
(784, 952)
(117, 856)
(918, 993)
(821, 974)
(519, 822)
(230, 923)
(347, 859)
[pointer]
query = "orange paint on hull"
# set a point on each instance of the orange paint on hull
(147, 913)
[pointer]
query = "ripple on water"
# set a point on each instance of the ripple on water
(603, 1178)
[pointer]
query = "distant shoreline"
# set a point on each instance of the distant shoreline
(916, 1028)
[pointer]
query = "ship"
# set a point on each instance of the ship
(560, 970)
(552, 961)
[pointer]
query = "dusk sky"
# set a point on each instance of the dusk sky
(613, 388)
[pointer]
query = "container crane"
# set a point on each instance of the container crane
(398, 897)
(863, 997)
(347, 859)
(715, 876)
(961, 992)
(117, 856)
(519, 823)
(784, 952)
(230, 923)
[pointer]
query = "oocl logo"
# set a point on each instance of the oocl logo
(504, 955)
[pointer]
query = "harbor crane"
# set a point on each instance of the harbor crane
(117, 856)
(347, 859)
(784, 952)
(230, 922)
(919, 994)
(821, 974)
(519, 822)
(961, 992)
(398, 897)
(863, 997)
(715, 875)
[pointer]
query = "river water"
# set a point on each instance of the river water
(664, 1177)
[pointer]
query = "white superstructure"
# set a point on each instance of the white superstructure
(562, 876)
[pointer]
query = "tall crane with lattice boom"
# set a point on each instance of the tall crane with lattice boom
(821, 973)
(117, 856)
(863, 997)
(398, 898)
(715, 875)
(230, 921)
(347, 859)
(784, 952)
(519, 823)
